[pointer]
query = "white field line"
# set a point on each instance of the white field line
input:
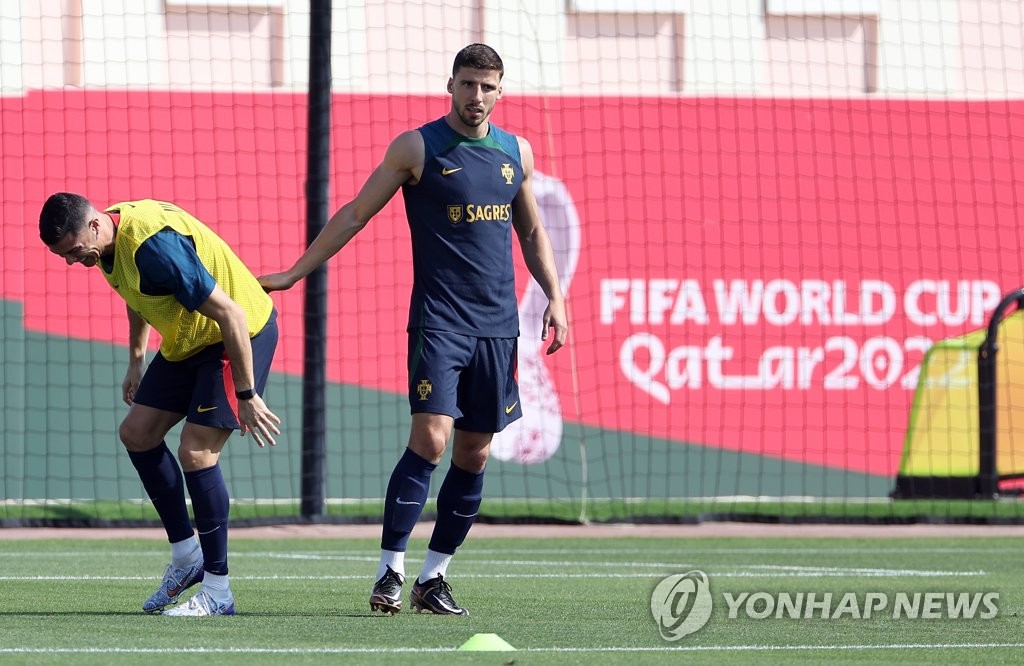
(731, 570)
(648, 576)
(445, 650)
(745, 569)
(772, 568)
(469, 552)
(737, 570)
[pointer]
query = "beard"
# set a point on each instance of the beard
(472, 121)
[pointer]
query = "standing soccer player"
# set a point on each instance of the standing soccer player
(466, 185)
(219, 333)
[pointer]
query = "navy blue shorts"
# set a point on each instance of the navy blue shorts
(201, 386)
(471, 379)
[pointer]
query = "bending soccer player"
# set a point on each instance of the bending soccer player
(219, 333)
(467, 184)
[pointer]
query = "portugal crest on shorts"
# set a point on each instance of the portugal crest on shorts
(424, 388)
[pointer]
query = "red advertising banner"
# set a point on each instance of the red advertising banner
(753, 275)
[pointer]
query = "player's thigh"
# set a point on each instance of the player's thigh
(488, 394)
(145, 427)
(436, 360)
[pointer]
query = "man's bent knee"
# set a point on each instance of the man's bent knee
(471, 450)
(138, 438)
(429, 436)
(193, 460)
(429, 450)
(201, 446)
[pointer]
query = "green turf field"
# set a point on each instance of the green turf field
(571, 601)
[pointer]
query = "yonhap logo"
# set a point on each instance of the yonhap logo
(828, 606)
(681, 604)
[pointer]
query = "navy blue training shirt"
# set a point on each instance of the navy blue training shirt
(460, 217)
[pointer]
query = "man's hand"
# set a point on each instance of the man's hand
(554, 317)
(130, 384)
(257, 418)
(276, 282)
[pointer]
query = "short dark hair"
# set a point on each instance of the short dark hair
(479, 56)
(63, 213)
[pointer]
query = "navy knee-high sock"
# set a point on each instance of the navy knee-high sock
(210, 505)
(458, 502)
(161, 477)
(403, 504)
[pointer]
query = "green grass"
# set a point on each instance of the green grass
(558, 601)
(1009, 509)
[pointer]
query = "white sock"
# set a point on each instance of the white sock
(393, 559)
(184, 553)
(435, 564)
(217, 586)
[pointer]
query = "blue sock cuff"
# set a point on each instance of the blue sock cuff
(155, 453)
(204, 479)
(464, 478)
(412, 462)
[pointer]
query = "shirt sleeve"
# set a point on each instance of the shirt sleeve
(169, 265)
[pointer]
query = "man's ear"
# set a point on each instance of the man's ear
(451, 85)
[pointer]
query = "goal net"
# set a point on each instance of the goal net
(763, 214)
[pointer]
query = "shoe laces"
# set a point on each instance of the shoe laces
(175, 575)
(444, 589)
(391, 582)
